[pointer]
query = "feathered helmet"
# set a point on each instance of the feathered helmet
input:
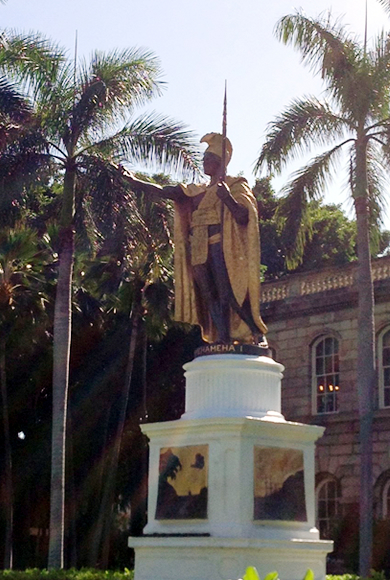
(214, 142)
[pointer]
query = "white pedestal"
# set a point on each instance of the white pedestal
(193, 558)
(233, 416)
(224, 385)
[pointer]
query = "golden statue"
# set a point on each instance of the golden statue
(217, 251)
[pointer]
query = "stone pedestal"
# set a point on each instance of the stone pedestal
(231, 484)
(223, 385)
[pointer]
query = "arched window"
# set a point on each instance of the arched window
(325, 375)
(382, 496)
(386, 500)
(327, 494)
(384, 368)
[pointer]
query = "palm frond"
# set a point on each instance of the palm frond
(328, 50)
(308, 184)
(377, 174)
(382, 137)
(82, 112)
(386, 5)
(22, 161)
(12, 103)
(377, 202)
(379, 59)
(31, 60)
(130, 77)
(323, 45)
(377, 185)
(154, 139)
(157, 217)
(55, 102)
(18, 245)
(306, 122)
(108, 195)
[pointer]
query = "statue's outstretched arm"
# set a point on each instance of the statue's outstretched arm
(169, 192)
(240, 213)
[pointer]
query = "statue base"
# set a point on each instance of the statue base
(223, 383)
(200, 558)
(231, 483)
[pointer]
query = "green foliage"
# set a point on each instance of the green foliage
(93, 574)
(309, 575)
(252, 574)
(72, 574)
(375, 575)
(342, 577)
(332, 239)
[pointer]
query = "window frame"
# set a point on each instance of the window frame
(381, 369)
(314, 374)
(385, 503)
(325, 481)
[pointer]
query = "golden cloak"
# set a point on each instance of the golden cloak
(241, 250)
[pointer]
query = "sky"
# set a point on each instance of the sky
(202, 43)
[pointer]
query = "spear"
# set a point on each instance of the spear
(234, 304)
(223, 175)
(223, 157)
(224, 126)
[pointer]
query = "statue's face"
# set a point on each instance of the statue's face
(211, 164)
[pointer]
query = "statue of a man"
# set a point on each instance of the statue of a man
(217, 251)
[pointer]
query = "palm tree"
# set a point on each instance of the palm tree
(133, 275)
(80, 108)
(355, 118)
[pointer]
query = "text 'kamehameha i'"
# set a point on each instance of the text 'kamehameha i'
(232, 348)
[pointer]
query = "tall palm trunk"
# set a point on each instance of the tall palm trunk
(103, 527)
(366, 359)
(70, 557)
(8, 487)
(144, 405)
(61, 357)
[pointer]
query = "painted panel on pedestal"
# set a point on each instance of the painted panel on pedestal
(183, 483)
(279, 491)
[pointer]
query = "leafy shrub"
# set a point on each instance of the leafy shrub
(72, 574)
(252, 574)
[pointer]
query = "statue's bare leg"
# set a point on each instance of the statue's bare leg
(217, 305)
(226, 296)
(214, 285)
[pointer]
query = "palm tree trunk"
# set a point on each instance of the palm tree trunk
(102, 530)
(70, 557)
(144, 405)
(8, 496)
(366, 360)
(61, 357)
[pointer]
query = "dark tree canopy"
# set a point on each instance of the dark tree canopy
(331, 239)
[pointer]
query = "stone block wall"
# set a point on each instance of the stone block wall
(295, 322)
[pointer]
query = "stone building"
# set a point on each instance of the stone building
(312, 320)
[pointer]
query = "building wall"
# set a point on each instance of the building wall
(297, 317)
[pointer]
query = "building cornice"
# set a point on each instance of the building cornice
(321, 291)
